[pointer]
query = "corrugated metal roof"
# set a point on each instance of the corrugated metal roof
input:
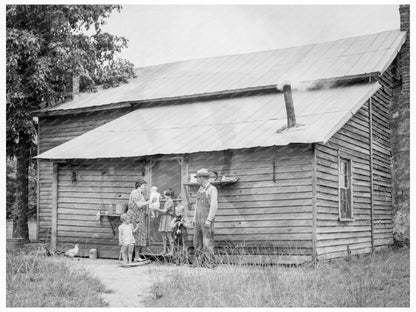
(221, 124)
(369, 54)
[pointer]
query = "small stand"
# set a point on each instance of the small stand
(219, 184)
(215, 183)
(111, 218)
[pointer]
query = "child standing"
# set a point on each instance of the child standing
(164, 225)
(126, 238)
(154, 200)
(179, 225)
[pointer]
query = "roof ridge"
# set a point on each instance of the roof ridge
(262, 51)
(230, 74)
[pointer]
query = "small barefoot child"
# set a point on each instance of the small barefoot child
(154, 200)
(126, 238)
(164, 224)
(180, 225)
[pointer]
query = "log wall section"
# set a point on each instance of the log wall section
(53, 131)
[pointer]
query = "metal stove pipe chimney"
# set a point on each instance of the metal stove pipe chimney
(290, 110)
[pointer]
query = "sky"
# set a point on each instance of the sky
(163, 34)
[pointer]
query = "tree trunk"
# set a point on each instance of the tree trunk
(21, 205)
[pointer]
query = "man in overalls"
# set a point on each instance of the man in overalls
(206, 207)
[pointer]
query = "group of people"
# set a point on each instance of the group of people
(173, 229)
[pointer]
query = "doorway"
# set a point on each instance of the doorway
(165, 174)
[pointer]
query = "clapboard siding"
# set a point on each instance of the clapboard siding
(53, 131)
(56, 130)
(271, 217)
(333, 236)
(45, 199)
(338, 238)
(258, 209)
(98, 184)
(382, 181)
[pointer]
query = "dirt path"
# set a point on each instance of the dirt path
(129, 286)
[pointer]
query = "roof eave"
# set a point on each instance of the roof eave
(394, 53)
(202, 96)
(351, 113)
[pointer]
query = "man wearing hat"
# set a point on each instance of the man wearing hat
(206, 207)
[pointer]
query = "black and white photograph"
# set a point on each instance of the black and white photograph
(207, 155)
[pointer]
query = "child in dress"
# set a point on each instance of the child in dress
(164, 224)
(179, 226)
(154, 201)
(126, 238)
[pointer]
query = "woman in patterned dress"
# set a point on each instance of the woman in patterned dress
(138, 211)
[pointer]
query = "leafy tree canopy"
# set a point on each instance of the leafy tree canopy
(47, 45)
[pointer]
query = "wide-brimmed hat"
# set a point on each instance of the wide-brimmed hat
(202, 173)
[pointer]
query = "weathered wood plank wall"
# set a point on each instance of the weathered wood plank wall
(333, 236)
(265, 208)
(54, 131)
(353, 141)
(255, 212)
(87, 188)
(383, 218)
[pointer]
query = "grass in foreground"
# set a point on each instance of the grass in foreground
(37, 281)
(381, 280)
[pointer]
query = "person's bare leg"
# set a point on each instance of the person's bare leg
(131, 247)
(165, 243)
(171, 245)
(137, 257)
(124, 254)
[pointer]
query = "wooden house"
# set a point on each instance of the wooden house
(305, 130)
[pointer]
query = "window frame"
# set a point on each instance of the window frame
(344, 158)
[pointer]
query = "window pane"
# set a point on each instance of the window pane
(342, 173)
(348, 203)
(346, 184)
(345, 188)
(344, 203)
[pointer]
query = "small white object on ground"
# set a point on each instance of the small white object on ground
(72, 252)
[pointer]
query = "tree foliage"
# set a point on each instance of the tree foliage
(46, 44)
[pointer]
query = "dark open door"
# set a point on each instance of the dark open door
(165, 174)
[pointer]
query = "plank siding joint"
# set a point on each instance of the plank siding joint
(370, 116)
(314, 194)
(54, 217)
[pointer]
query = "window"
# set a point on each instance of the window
(345, 189)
